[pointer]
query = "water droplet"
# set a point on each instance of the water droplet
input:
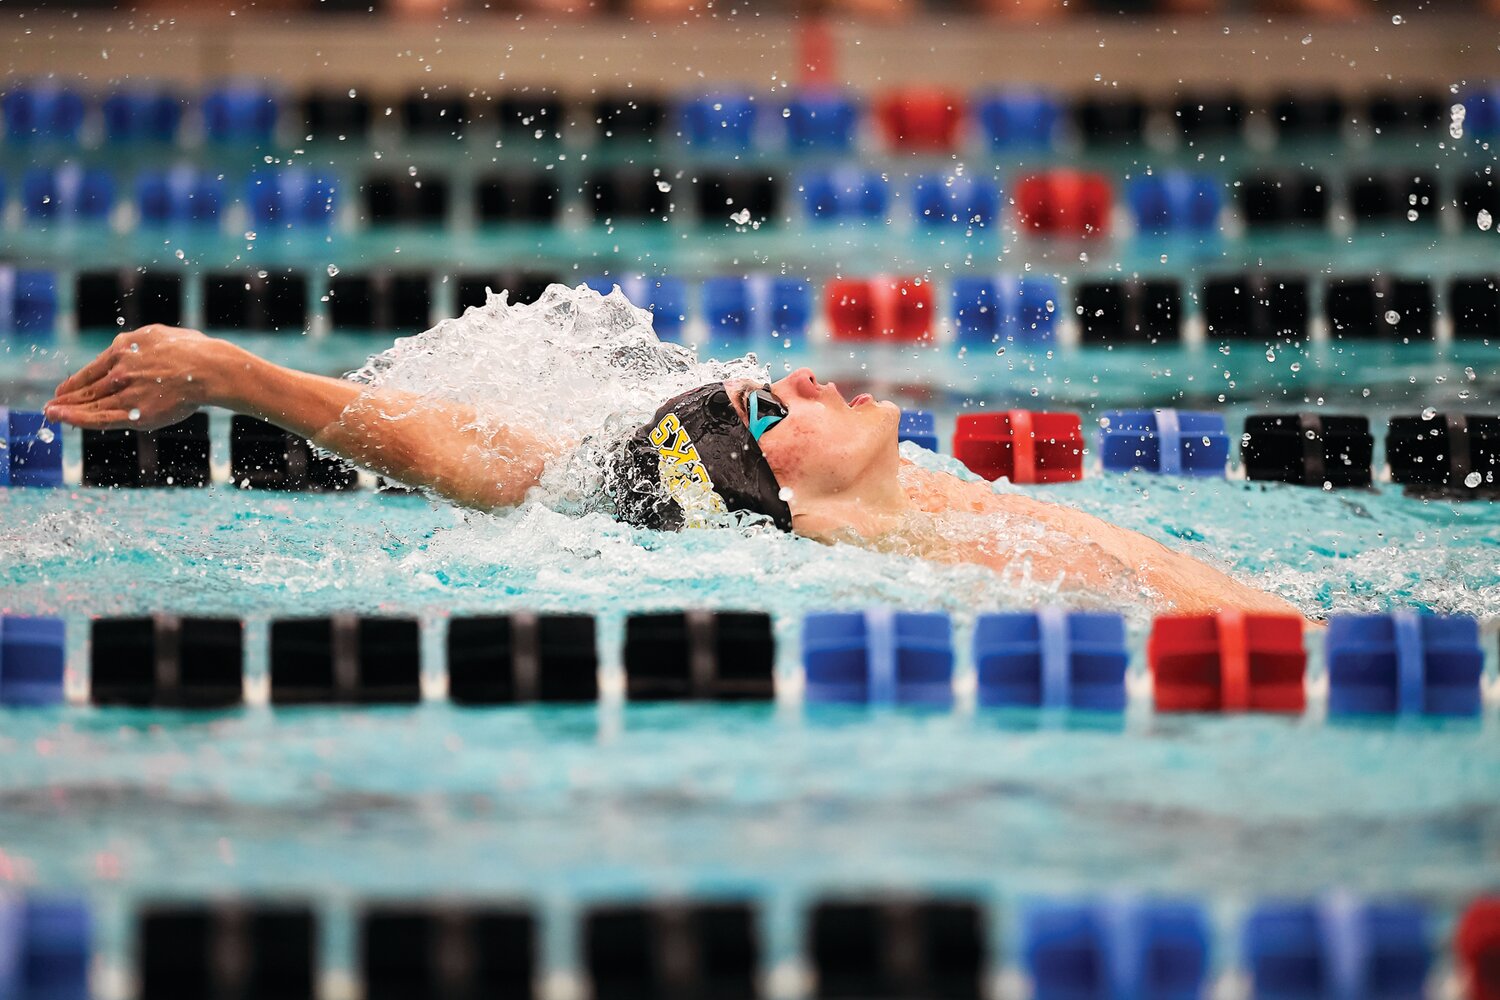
(1397, 19)
(663, 186)
(135, 414)
(181, 255)
(44, 434)
(784, 494)
(1163, 258)
(333, 270)
(1296, 366)
(1271, 355)
(1484, 219)
(1392, 317)
(1051, 306)
(1473, 479)
(741, 218)
(135, 348)
(999, 350)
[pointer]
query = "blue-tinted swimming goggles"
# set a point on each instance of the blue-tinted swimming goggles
(765, 411)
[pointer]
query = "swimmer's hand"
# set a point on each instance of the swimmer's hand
(148, 378)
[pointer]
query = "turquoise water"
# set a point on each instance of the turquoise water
(564, 806)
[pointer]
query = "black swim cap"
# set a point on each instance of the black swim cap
(696, 458)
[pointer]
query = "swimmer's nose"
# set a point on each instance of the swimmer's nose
(799, 383)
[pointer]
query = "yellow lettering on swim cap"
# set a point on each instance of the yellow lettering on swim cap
(683, 474)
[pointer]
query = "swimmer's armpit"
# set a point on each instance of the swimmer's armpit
(469, 457)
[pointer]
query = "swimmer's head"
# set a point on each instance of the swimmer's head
(747, 446)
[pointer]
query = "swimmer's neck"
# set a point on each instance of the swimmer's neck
(878, 506)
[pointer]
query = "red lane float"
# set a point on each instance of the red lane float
(1064, 203)
(879, 309)
(922, 119)
(1022, 446)
(1476, 943)
(1229, 662)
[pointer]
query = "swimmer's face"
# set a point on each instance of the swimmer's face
(826, 444)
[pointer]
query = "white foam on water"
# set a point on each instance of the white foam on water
(575, 365)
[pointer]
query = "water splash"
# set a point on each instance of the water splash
(575, 365)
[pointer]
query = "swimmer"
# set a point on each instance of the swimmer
(794, 451)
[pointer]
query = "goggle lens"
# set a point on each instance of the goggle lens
(765, 410)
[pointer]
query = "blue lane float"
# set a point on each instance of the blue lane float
(67, 192)
(290, 197)
(30, 449)
(757, 307)
(878, 657)
(142, 116)
(1051, 659)
(1167, 441)
(665, 298)
(240, 113)
(821, 122)
(1175, 202)
(42, 113)
(1404, 664)
(1019, 120)
(844, 194)
(971, 202)
(1338, 948)
(46, 944)
(1482, 111)
(28, 304)
(180, 196)
(920, 428)
(1119, 949)
(719, 121)
(33, 655)
(1003, 309)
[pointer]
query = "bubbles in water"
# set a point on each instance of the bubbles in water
(663, 186)
(181, 255)
(44, 434)
(333, 270)
(1392, 317)
(741, 218)
(1307, 39)
(1411, 215)
(1473, 479)
(134, 414)
(1397, 19)
(1429, 413)
(1485, 220)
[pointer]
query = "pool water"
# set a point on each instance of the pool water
(561, 807)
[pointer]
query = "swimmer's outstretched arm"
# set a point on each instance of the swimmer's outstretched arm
(158, 375)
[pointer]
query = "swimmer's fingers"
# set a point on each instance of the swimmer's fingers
(101, 388)
(92, 416)
(89, 373)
